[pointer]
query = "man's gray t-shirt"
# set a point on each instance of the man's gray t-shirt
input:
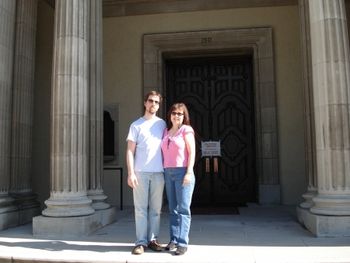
(147, 134)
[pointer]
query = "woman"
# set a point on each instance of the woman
(178, 148)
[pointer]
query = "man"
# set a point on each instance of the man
(145, 173)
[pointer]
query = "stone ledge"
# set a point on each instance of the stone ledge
(58, 227)
(26, 215)
(17, 217)
(9, 219)
(324, 226)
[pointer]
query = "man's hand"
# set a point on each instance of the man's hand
(130, 152)
(132, 180)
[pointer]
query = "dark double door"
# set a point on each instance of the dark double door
(218, 93)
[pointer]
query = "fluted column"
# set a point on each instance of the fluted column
(95, 191)
(69, 117)
(7, 33)
(22, 104)
(308, 105)
(331, 88)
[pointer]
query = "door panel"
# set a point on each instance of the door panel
(218, 94)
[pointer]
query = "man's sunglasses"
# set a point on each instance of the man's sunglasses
(153, 101)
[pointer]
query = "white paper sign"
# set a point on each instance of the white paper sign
(211, 148)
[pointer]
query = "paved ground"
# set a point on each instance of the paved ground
(257, 234)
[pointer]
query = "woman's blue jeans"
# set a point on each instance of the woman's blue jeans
(179, 201)
(148, 196)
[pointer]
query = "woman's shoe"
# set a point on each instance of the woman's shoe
(155, 246)
(171, 246)
(180, 251)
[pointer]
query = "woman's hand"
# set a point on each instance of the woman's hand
(187, 179)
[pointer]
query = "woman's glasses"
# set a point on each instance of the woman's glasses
(179, 114)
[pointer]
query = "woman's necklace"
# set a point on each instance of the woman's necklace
(172, 132)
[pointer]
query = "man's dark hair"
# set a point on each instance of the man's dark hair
(153, 93)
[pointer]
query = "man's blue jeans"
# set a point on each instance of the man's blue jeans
(148, 196)
(179, 201)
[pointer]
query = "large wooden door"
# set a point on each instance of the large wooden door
(219, 95)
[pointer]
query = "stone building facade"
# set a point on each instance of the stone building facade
(299, 137)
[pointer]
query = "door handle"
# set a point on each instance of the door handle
(207, 165)
(216, 165)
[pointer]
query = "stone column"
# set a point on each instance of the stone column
(7, 34)
(308, 105)
(330, 215)
(22, 113)
(69, 211)
(69, 112)
(95, 169)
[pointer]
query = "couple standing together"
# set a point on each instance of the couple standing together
(158, 153)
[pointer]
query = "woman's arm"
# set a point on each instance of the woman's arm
(191, 149)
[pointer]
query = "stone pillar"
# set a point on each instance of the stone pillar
(69, 211)
(330, 215)
(22, 113)
(69, 112)
(7, 33)
(95, 168)
(308, 105)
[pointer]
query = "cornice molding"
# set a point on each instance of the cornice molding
(112, 8)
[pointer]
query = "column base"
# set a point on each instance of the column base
(98, 199)
(323, 225)
(68, 204)
(59, 227)
(331, 205)
(308, 203)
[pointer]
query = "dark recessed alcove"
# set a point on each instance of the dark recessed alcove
(108, 137)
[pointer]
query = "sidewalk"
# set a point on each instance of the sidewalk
(257, 234)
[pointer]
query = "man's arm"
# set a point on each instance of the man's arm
(130, 155)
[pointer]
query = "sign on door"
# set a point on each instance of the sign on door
(210, 148)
